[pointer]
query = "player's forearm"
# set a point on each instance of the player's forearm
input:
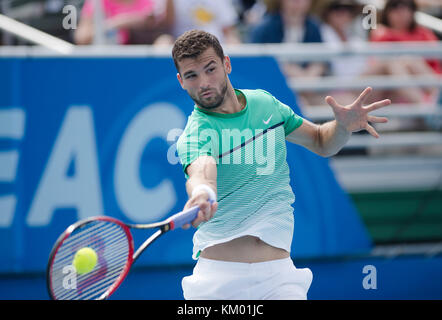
(332, 137)
(202, 171)
(193, 182)
(201, 188)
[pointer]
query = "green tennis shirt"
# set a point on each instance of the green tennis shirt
(253, 184)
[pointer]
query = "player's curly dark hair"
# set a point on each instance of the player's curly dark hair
(193, 43)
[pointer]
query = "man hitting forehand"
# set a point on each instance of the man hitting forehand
(233, 152)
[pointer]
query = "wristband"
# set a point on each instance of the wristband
(205, 187)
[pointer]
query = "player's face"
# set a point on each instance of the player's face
(205, 78)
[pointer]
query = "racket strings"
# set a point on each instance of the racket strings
(88, 283)
(95, 289)
(109, 241)
(76, 240)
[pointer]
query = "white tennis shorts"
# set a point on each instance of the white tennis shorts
(222, 280)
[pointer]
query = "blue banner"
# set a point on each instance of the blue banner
(81, 137)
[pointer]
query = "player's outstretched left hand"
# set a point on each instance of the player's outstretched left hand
(355, 117)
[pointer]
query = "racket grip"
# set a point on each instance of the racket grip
(184, 217)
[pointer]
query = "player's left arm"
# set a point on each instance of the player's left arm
(327, 139)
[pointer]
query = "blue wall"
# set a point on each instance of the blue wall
(406, 277)
(92, 136)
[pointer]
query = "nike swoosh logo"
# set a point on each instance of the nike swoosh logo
(268, 120)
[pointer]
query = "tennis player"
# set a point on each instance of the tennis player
(233, 152)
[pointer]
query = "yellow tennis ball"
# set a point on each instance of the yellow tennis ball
(85, 260)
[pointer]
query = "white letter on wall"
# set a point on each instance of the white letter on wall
(138, 203)
(75, 144)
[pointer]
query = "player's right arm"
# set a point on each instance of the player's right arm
(202, 171)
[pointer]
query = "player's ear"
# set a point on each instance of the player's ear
(227, 64)
(180, 80)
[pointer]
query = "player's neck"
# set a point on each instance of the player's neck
(232, 103)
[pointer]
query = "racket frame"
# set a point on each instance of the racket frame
(177, 220)
(78, 225)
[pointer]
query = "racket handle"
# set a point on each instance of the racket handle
(184, 217)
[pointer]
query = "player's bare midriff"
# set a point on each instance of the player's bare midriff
(246, 249)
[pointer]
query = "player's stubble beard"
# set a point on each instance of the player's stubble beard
(217, 100)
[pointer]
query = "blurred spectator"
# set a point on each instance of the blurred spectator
(217, 17)
(127, 21)
(250, 14)
(398, 24)
(431, 7)
(288, 21)
(243, 6)
(253, 14)
(339, 29)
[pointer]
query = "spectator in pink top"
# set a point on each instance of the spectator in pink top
(127, 21)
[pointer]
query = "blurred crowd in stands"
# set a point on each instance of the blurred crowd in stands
(335, 22)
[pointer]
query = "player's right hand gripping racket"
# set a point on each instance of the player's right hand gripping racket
(112, 241)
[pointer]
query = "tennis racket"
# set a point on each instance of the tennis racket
(112, 241)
